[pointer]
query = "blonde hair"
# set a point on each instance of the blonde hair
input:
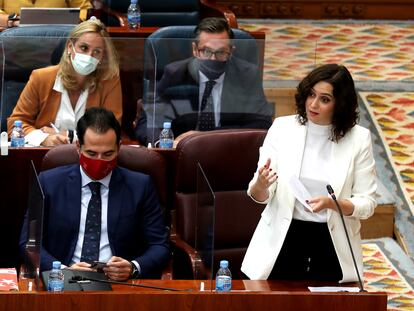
(107, 68)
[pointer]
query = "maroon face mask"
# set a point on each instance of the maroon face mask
(96, 168)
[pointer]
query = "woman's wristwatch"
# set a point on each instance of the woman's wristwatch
(12, 17)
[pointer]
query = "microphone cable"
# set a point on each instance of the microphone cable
(78, 278)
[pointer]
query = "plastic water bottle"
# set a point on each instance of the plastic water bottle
(17, 136)
(166, 136)
(56, 280)
(223, 277)
(134, 15)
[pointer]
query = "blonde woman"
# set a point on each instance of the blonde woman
(56, 97)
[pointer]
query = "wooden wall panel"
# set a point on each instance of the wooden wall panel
(328, 9)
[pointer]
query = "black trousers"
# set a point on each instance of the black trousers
(307, 254)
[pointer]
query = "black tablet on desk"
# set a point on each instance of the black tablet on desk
(76, 280)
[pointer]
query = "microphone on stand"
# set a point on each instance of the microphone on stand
(332, 194)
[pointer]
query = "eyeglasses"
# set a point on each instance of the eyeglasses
(219, 55)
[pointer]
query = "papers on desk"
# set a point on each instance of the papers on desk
(333, 289)
(300, 192)
(8, 279)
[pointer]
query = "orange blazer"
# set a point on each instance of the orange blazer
(39, 102)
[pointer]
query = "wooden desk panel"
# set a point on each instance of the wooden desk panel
(246, 295)
(312, 9)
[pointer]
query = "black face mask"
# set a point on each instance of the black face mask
(211, 68)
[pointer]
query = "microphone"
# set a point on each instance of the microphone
(78, 280)
(81, 279)
(332, 194)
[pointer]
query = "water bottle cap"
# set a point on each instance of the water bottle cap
(134, 1)
(56, 265)
(167, 125)
(224, 264)
(18, 123)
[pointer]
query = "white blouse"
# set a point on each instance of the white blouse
(66, 117)
(316, 169)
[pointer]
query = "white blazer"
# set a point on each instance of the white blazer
(353, 178)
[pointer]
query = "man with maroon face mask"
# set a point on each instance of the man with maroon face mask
(97, 211)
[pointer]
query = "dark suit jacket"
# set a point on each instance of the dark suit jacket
(136, 228)
(243, 103)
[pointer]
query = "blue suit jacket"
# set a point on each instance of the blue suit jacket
(136, 228)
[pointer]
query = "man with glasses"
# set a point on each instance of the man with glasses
(213, 89)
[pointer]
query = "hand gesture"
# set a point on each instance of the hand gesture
(266, 176)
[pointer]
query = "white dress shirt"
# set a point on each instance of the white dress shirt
(66, 117)
(215, 94)
(316, 169)
(105, 252)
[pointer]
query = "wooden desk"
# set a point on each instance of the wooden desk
(246, 295)
(144, 32)
(125, 32)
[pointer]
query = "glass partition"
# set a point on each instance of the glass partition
(2, 64)
(23, 54)
(204, 235)
(163, 81)
(182, 69)
(34, 223)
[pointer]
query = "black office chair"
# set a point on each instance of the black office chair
(23, 50)
(164, 13)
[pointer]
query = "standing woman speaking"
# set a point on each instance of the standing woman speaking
(320, 145)
(56, 97)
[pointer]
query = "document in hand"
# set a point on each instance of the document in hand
(300, 192)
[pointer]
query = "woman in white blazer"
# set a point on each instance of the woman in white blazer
(320, 145)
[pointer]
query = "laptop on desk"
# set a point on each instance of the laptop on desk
(49, 16)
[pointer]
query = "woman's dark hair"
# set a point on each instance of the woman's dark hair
(345, 113)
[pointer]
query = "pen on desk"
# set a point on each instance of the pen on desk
(54, 127)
